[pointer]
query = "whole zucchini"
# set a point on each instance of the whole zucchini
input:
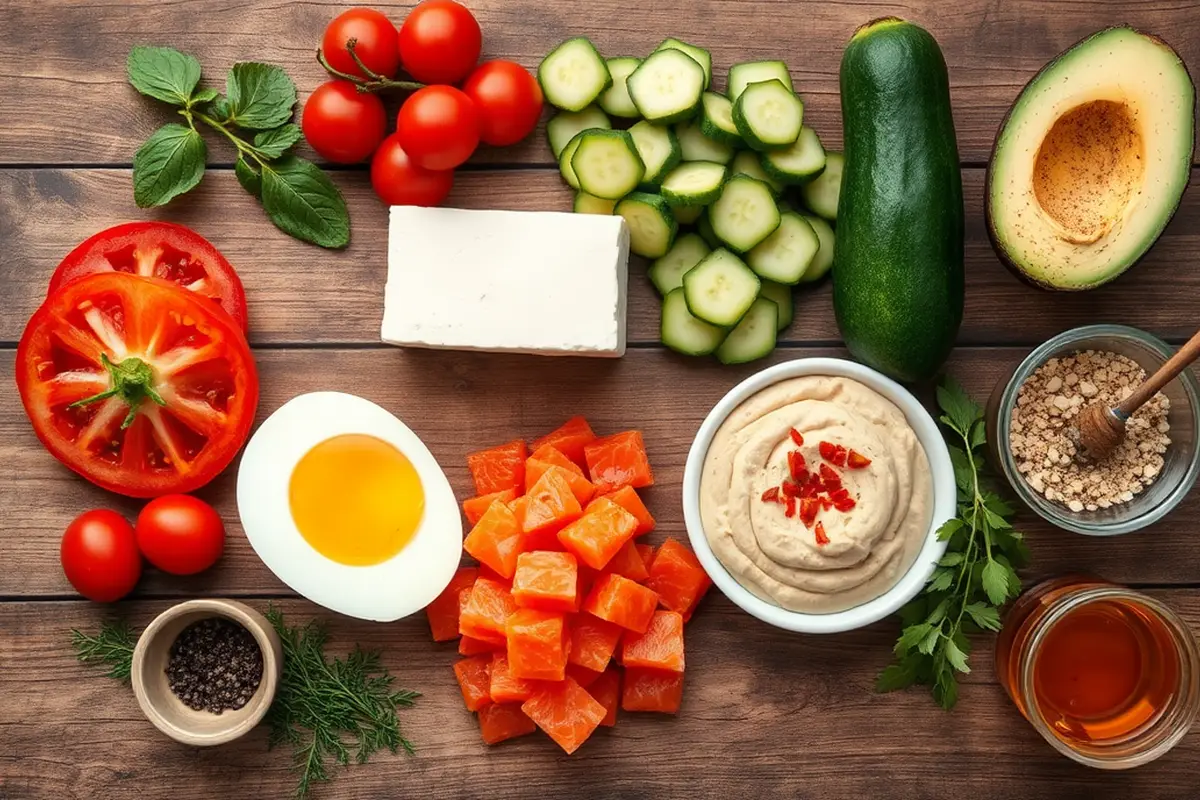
(898, 267)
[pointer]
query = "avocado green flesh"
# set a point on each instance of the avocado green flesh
(1092, 160)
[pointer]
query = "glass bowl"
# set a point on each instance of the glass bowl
(1182, 459)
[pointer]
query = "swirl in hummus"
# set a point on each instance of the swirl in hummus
(778, 558)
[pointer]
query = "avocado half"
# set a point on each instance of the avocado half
(1091, 161)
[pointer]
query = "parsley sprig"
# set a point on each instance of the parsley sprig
(975, 577)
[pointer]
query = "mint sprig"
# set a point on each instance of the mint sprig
(254, 115)
(975, 577)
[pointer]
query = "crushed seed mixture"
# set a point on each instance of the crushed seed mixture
(215, 665)
(1044, 424)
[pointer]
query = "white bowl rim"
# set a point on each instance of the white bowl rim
(945, 498)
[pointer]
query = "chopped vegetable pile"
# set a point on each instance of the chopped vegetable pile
(563, 589)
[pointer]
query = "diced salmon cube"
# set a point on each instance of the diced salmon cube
(581, 487)
(506, 687)
(618, 460)
(677, 577)
(547, 581)
(551, 503)
(627, 498)
(628, 562)
(443, 611)
(582, 675)
(660, 647)
(569, 439)
(566, 712)
(474, 679)
(496, 539)
(646, 551)
(593, 641)
(470, 646)
(606, 690)
(488, 608)
(499, 722)
(597, 536)
(651, 690)
(475, 507)
(498, 468)
(537, 645)
(621, 601)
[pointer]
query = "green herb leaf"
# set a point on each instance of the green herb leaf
(248, 177)
(929, 643)
(997, 504)
(112, 645)
(277, 141)
(995, 521)
(978, 435)
(170, 163)
(939, 612)
(302, 201)
(914, 611)
(995, 582)
(940, 581)
(945, 689)
(984, 616)
(949, 528)
(163, 73)
(956, 657)
(202, 96)
(951, 559)
(960, 408)
(900, 675)
(260, 96)
(912, 636)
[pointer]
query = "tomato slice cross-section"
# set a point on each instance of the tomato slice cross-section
(139, 386)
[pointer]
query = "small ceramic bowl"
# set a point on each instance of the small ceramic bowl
(944, 498)
(1182, 456)
(168, 712)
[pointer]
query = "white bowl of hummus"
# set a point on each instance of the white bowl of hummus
(813, 493)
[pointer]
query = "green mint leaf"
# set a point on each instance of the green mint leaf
(302, 202)
(277, 141)
(202, 96)
(996, 582)
(941, 580)
(929, 643)
(219, 108)
(959, 407)
(984, 616)
(170, 163)
(951, 560)
(163, 73)
(945, 689)
(896, 676)
(248, 177)
(260, 96)
(949, 528)
(956, 657)
(911, 636)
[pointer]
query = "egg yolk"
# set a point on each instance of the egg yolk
(356, 499)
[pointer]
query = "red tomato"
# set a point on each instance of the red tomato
(509, 101)
(160, 250)
(400, 182)
(178, 383)
(375, 44)
(438, 127)
(343, 124)
(100, 556)
(440, 42)
(180, 534)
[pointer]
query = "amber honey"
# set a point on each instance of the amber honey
(1107, 675)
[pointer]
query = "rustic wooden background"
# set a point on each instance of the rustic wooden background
(766, 714)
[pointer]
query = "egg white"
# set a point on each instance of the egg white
(382, 592)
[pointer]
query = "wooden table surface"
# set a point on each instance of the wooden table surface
(765, 713)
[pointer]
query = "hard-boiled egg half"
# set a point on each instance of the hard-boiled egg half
(348, 507)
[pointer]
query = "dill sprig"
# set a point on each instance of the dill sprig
(327, 710)
(112, 645)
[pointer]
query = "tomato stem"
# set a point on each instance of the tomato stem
(374, 82)
(132, 381)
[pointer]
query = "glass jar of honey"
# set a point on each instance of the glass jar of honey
(1108, 676)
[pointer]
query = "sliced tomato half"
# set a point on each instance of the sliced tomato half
(163, 250)
(139, 386)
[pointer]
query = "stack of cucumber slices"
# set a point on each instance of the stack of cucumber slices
(740, 168)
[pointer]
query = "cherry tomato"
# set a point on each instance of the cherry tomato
(400, 182)
(375, 44)
(100, 556)
(440, 42)
(139, 386)
(343, 124)
(180, 534)
(509, 101)
(159, 250)
(438, 127)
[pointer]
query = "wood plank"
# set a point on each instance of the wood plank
(301, 294)
(460, 402)
(794, 714)
(992, 49)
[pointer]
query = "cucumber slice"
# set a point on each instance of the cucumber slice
(754, 336)
(716, 119)
(698, 54)
(822, 193)
(667, 273)
(685, 334)
(721, 288)
(748, 72)
(786, 254)
(615, 100)
(686, 215)
(781, 296)
(607, 164)
(705, 229)
(563, 126)
(564, 161)
(749, 163)
(823, 260)
(590, 204)
(659, 149)
(797, 164)
(768, 115)
(695, 146)
(573, 75)
(652, 228)
(745, 213)
(667, 86)
(693, 183)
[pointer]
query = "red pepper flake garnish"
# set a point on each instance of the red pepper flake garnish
(797, 465)
(808, 490)
(797, 437)
(809, 508)
(771, 495)
(828, 450)
(844, 504)
(791, 507)
(857, 460)
(822, 537)
(826, 503)
(791, 489)
(839, 457)
(830, 479)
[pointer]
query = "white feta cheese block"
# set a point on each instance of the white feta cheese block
(545, 283)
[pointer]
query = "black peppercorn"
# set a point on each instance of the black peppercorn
(215, 665)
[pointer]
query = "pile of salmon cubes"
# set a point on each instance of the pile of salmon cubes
(563, 589)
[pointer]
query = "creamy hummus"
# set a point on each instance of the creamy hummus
(777, 557)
